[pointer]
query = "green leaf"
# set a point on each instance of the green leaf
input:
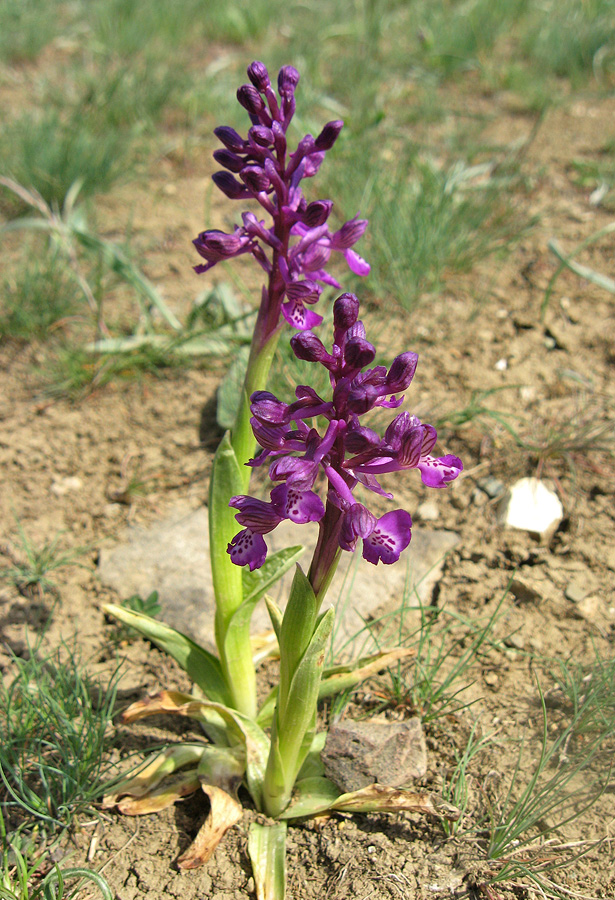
(254, 586)
(312, 765)
(267, 850)
(276, 615)
(200, 665)
(230, 391)
(311, 796)
(226, 482)
(257, 583)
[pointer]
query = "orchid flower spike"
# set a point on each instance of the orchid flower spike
(349, 453)
(297, 244)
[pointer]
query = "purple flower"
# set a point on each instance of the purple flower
(348, 454)
(296, 247)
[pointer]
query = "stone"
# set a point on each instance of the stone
(577, 591)
(360, 753)
(427, 511)
(493, 487)
(61, 486)
(172, 558)
(532, 506)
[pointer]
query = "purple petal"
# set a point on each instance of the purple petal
(254, 514)
(299, 317)
(357, 264)
(247, 549)
(300, 507)
(267, 408)
(390, 536)
(437, 472)
(349, 234)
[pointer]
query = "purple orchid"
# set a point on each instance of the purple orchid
(349, 453)
(267, 173)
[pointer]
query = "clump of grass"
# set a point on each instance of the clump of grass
(427, 220)
(572, 772)
(49, 153)
(26, 26)
(32, 565)
(54, 720)
(38, 298)
(20, 877)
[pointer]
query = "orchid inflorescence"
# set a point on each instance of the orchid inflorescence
(349, 453)
(272, 177)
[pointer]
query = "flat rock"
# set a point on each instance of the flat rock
(360, 753)
(172, 557)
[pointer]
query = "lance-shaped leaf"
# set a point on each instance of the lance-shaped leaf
(316, 795)
(154, 769)
(176, 702)
(258, 582)
(267, 849)
(224, 812)
(255, 584)
(295, 716)
(226, 482)
(200, 665)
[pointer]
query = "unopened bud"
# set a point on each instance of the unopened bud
(250, 99)
(255, 178)
(345, 311)
(328, 135)
(229, 137)
(259, 76)
(288, 79)
(317, 213)
(229, 160)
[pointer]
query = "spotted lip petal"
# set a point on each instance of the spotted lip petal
(248, 549)
(390, 536)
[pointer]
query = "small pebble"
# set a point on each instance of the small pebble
(64, 485)
(501, 365)
(577, 591)
(427, 511)
(491, 679)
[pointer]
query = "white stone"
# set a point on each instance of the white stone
(62, 486)
(532, 506)
(501, 365)
(427, 511)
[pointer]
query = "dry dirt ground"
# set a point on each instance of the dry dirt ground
(560, 391)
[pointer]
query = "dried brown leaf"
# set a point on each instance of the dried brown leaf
(225, 811)
(379, 798)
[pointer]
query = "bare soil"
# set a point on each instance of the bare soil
(558, 376)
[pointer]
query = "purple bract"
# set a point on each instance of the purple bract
(348, 453)
(295, 249)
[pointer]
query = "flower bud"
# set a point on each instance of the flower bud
(358, 353)
(288, 79)
(216, 245)
(345, 311)
(305, 345)
(328, 135)
(316, 213)
(229, 185)
(229, 160)
(259, 76)
(229, 137)
(261, 136)
(250, 99)
(255, 178)
(401, 372)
